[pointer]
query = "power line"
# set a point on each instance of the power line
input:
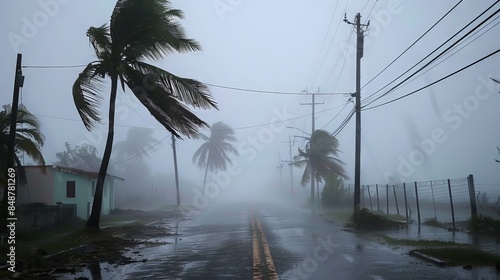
(435, 82)
(436, 57)
(323, 44)
(54, 66)
(209, 84)
(409, 47)
(329, 47)
(455, 52)
(344, 122)
(162, 128)
(273, 92)
(334, 117)
(141, 153)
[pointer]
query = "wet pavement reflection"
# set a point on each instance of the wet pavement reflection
(216, 243)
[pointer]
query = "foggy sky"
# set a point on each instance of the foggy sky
(284, 46)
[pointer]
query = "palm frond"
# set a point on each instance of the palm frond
(306, 176)
(166, 109)
(189, 91)
(201, 155)
(100, 38)
(147, 29)
(201, 136)
(222, 132)
(86, 95)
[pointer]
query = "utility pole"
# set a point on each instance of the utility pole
(290, 144)
(310, 142)
(18, 83)
(280, 166)
(175, 170)
(359, 54)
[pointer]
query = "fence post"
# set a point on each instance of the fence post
(363, 195)
(60, 210)
(387, 196)
(406, 203)
(472, 196)
(369, 197)
(395, 198)
(378, 202)
(451, 203)
(418, 206)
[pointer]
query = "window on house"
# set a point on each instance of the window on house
(93, 188)
(70, 189)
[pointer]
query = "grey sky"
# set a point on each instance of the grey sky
(275, 46)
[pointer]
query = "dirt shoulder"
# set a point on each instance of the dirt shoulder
(41, 253)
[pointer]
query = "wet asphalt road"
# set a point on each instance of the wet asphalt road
(217, 243)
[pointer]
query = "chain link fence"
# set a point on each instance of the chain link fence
(450, 202)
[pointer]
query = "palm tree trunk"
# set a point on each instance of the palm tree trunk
(95, 215)
(205, 179)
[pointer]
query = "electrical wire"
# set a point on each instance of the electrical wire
(409, 47)
(458, 50)
(161, 128)
(329, 46)
(435, 82)
(436, 57)
(344, 123)
(323, 44)
(53, 66)
(208, 84)
(334, 117)
(273, 92)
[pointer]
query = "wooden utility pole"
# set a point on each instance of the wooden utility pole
(290, 144)
(311, 144)
(359, 54)
(18, 83)
(175, 170)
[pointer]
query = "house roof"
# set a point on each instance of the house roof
(91, 174)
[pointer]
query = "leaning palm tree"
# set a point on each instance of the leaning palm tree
(139, 31)
(322, 158)
(29, 140)
(214, 153)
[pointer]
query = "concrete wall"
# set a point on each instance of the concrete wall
(38, 187)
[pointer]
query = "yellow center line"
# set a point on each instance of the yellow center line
(256, 232)
(256, 253)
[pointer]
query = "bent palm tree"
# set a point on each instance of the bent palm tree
(139, 31)
(29, 140)
(214, 153)
(322, 158)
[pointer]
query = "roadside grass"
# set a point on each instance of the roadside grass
(462, 256)
(342, 215)
(66, 236)
(452, 253)
(382, 238)
(434, 223)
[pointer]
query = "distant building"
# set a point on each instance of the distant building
(66, 185)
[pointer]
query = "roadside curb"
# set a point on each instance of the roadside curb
(428, 258)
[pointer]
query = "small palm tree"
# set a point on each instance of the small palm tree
(29, 140)
(214, 153)
(322, 158)
(139, 31)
